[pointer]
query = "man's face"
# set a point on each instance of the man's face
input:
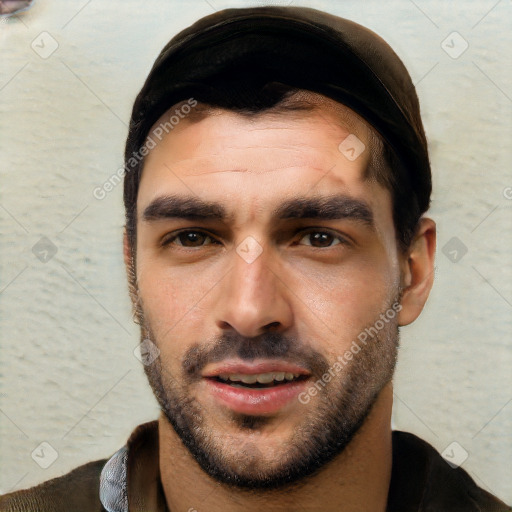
(262, 254)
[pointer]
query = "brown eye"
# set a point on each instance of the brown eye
(189, 239)
(321, 239)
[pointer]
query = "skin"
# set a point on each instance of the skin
(321, 297)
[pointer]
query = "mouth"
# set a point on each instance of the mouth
(257, 388)
(259, 380)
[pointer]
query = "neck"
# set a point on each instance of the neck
(357, 479)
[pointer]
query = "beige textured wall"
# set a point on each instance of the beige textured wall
(68, 375)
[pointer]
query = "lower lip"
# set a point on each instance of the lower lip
(253, 400)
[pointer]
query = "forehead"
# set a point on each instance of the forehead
(303, 136)
(255, 163)
(260, 145)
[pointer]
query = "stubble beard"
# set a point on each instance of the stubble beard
(328, 423)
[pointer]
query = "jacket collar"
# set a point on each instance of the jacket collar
(421, 480)
(130, 480)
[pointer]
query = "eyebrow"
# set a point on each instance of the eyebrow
(334, 207)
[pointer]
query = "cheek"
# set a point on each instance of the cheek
(173, 300)
(339, 301)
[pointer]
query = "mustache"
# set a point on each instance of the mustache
(270, 345)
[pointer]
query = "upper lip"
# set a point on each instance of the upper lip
(253, 368)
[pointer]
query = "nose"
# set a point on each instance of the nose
(253, 298)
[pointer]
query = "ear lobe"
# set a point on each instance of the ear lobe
(418, 272)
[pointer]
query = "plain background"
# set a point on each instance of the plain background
(68, 373)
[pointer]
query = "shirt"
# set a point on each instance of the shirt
(129, 481)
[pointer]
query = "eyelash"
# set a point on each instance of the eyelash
(342, 240)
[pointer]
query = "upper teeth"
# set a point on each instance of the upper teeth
(262, 378)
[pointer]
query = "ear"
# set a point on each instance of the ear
(418, 272)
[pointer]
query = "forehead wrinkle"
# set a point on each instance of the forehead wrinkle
(321, 160)
(252, 171)
(292, 147)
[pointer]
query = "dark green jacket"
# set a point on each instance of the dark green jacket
(129, 481)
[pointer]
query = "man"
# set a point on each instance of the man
(277, 174)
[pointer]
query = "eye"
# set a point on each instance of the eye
(322, 239)
(189, 238)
